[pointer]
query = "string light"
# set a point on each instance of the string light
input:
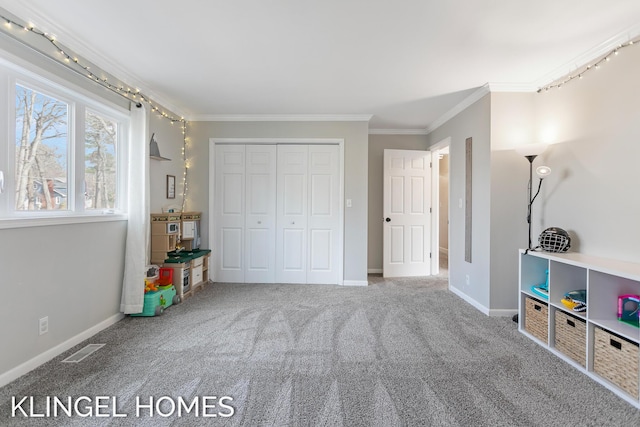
(595, 66)
(130, 94)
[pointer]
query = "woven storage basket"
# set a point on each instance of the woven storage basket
(536, 319)
(616, 360)
(571, 336)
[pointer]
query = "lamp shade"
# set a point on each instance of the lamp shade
(531, 149)
(543, 171)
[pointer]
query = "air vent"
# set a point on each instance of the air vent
(83, 353)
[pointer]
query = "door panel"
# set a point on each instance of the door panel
(260, 220)
(324, 214)
(406, 226)
(229, 213)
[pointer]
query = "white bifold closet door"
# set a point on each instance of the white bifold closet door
(245, 213)
(278, 213)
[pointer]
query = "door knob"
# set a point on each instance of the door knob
(388, 219)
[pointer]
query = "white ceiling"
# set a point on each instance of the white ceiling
(405, 62)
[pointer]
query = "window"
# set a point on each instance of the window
(42, 146)
(64, 151)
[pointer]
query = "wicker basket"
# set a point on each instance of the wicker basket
(536, 319)
(571, 336)
(616, 360)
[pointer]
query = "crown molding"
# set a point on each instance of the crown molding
(590, 55)
(398, 132)
(281, 117)
(31, 15)
(460, 107)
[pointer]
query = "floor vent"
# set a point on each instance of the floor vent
(83, 353)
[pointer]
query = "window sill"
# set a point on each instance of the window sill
(42, 221)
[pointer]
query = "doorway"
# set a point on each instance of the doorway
(441, 197)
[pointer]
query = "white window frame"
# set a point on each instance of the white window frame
(79, 101)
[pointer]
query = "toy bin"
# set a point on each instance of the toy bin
(536, 320)
(571, 336)
(616, 360)
(156, 302)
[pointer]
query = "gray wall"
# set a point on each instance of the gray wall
(472, 122)
(377, 144)
(169, 139)
(70, 273)
(355, 135)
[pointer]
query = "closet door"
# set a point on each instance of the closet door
(230, 213)
(323, 214)
(260, 219)
(291, 238)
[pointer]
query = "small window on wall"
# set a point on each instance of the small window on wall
(42, 151)
(100, 159)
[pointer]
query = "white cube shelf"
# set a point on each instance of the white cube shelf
(604, 280)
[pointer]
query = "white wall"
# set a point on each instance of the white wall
(472, 122)
(355, 135)
(594, 124)
(377, 144)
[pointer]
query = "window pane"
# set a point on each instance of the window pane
(100, 161)
(42, 144)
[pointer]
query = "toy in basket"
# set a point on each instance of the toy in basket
(629, 309)
(159, 292)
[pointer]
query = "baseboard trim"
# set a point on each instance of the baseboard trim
(374, 271)
(470, 300)
(502, 312)
(44, 357)
(355, 283)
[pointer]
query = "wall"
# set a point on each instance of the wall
(594, 126)
(70, 273)
(472, 122)
(377, 144)
(169, 139)
(355, 135)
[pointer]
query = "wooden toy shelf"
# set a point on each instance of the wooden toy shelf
(594, 341)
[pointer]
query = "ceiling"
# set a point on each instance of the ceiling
(405, 63)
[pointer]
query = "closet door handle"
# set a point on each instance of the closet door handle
(388, 219)
(259, 222)
(293, 223)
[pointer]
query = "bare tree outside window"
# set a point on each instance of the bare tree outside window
(41, 151)
(100, 161)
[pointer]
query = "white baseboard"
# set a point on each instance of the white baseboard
(482, 308)
(470, 300)
(502, 312)
(42, 358)
(374, 271)
(355, 283)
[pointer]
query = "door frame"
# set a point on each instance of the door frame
(443, 144)
(278, 141)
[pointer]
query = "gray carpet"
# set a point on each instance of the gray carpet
(395, 353)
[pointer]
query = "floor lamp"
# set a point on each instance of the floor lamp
(530, 152)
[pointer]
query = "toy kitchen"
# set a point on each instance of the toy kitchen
(175, 244)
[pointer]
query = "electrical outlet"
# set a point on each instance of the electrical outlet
(467, 279)
(43, 325)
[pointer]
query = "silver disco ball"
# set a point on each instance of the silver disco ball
(554, 239)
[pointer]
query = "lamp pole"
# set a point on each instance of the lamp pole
(531, 158)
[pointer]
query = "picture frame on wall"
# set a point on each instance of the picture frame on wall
(171, 187)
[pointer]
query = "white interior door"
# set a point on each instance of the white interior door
(324, 214)
(260, 219)
(291, 238)
(407, 219)
(230, 213)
